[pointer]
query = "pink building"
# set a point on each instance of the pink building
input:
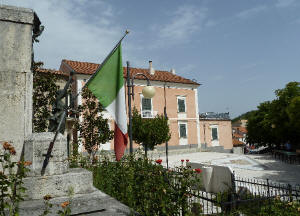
(180, 95)
(216, 132)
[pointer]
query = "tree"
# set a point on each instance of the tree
(259, 127)
(285, 112)
(293, 111)
(94, 129)
(44, 91)
(246, 116)
(149, 132)
(277, 122)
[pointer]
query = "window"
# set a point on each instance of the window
(146, 107)
(181, 104)
(182, 130)
(146, 104)
(214, 133)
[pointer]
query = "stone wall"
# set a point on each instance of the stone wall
(16, 27)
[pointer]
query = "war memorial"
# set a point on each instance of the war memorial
(18, 29)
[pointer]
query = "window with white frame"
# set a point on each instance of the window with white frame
(214, 132)
(181, 104)
(182, 130)
(146, 107)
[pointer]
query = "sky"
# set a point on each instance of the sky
(240, 51)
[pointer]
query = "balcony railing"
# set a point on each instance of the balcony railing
(149, 114)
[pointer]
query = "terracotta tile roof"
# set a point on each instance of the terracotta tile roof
(237, 135)
(240, 129)
(243, 129)
(236, 142)
(56, 72)
(163, 76)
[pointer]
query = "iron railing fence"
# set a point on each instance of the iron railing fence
(246, 196)
(265, 187)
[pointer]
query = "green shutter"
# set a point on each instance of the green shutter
(146, 104)
(214, 133)
(182, 130)
(181, 105)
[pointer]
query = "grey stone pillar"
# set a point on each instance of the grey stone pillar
(16, 29)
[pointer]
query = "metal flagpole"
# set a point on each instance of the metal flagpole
(129, 108)
(165, 113)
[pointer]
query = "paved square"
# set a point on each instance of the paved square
(246, 166)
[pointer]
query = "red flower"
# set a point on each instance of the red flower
(27, 163)
(64, 204)
(158, 161)
(9, 147)
(12, 151)
(187, 160)
(182, 160)
(198, 170)
(6, 146)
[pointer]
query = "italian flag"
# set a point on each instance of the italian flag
(107, 84)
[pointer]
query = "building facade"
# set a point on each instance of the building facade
(215, 132)
(178, 94)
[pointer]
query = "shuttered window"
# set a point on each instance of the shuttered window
(146, 104)
(214, 133)
(181, 104)
(182, 130)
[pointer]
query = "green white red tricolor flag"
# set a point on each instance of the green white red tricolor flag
(107, 84)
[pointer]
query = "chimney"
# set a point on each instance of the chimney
(151, 69)
(173, 71)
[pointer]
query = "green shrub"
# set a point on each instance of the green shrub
(145, 186)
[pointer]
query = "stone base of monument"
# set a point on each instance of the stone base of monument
(59, 180)
(91, 204)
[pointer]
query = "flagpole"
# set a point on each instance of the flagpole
(129, 108)
(165, 114)
(100, 66)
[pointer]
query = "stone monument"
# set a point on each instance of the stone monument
(18, 27)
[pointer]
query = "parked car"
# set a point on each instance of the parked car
(260, 150)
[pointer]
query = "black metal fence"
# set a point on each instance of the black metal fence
(265, 188)
(246, 197)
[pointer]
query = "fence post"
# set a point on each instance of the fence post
(233, 193)
(290, 193)
(269, 198)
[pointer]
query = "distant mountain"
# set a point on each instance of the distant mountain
(243, 116)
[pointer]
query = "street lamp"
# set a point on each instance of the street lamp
(148, 92)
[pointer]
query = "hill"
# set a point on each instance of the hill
(243, 116)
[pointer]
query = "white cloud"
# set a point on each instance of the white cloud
(73, 30)
(251, 12)
(185, 21)
(284, 3)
